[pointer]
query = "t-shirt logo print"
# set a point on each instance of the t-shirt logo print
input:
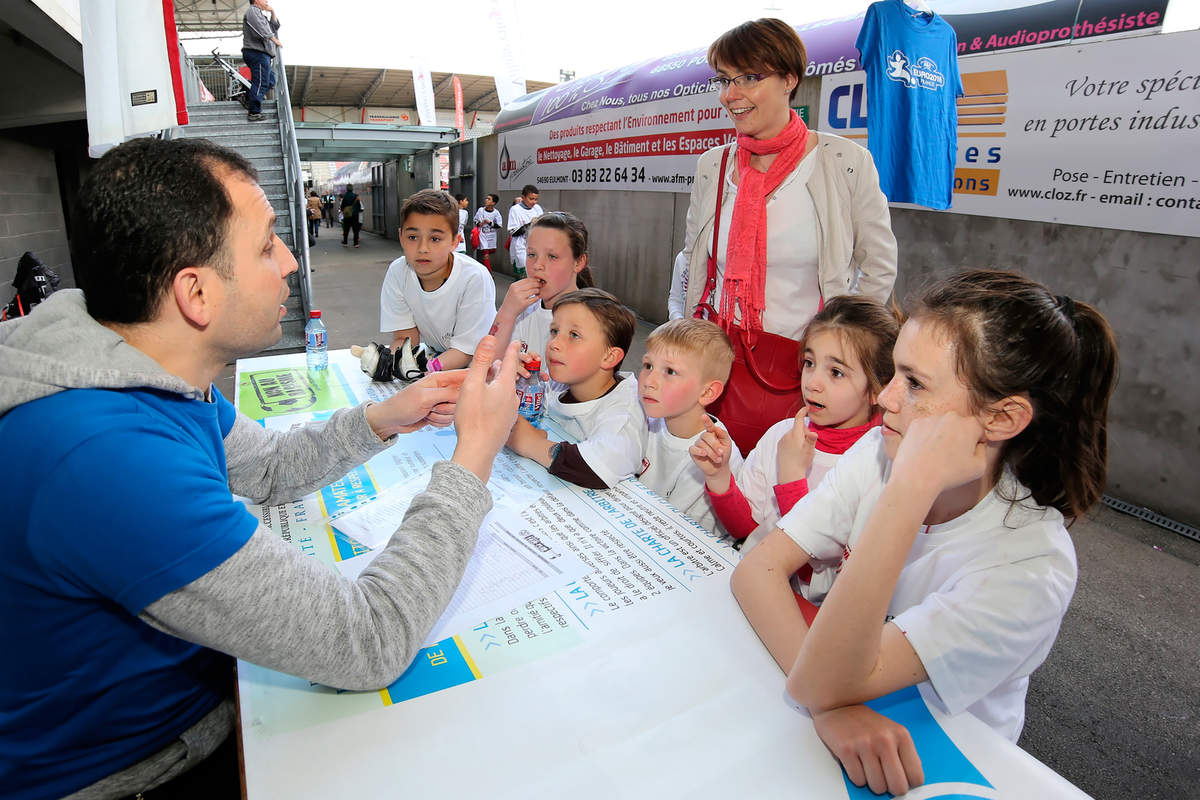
(924, 74)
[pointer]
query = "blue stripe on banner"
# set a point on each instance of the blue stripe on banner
(436, 667)
(941, 760)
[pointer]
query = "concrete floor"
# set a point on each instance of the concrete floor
(1115, 709)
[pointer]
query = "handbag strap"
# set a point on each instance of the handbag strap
(704, 308)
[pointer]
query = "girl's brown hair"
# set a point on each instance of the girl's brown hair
(763, 45)
(867, 327)
(577, 235)
(1011, 336)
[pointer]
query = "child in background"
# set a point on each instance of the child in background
(961, 567)
(589, 335)
(686, 365)
(489, 220)
(463, 216)
(847, 360)
(433, 294)
(557, 262)
(519, 218)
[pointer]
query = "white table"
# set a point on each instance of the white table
(615, 686)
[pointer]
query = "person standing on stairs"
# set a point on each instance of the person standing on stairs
(259, 25)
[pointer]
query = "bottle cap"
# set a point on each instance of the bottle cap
(533, 364)
(314, 314)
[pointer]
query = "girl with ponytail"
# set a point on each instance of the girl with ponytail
(951, 521)
(556, 262)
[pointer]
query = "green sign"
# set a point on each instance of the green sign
(271, 392)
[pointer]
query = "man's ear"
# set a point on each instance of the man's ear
(614, 356)
(712, 390)
(1006, 418)
(192, 293)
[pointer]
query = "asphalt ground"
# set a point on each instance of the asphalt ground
(1115, 709)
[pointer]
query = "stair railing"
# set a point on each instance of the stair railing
(294, 180)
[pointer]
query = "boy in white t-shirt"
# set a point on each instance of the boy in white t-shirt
(463, 215)
(519, 217)
(686, 365)
(434, 295)
(590, 333)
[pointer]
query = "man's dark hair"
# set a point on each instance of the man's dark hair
(349, 187)
(149, 208)
(529, 189)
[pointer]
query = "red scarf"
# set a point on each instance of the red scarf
(838, 440)
(746, 252)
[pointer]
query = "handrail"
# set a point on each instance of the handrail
(294, 179)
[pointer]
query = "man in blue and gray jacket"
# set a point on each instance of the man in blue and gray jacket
(259, 25)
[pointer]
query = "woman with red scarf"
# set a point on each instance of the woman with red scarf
(801, 219)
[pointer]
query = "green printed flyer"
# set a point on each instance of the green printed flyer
(292, 390)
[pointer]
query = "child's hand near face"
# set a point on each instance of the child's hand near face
(796, 450)
(520, 296)
(712, 452)
(523, 369)
(941, 452)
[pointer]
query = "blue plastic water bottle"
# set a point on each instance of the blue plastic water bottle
(315, 346)
(533, 393)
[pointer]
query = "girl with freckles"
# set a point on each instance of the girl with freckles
(954, 514)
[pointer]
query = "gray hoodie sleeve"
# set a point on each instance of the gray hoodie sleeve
(272, 467)
(271, 605)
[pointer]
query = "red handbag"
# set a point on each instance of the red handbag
(475, 238)
(764, 384)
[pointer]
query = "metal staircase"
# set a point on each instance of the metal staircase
(270, 145)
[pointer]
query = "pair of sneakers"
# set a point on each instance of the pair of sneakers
(408, 363)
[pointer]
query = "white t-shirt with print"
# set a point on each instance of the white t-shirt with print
(669, 470)
(532, 328)
(760, 475)
(489, 222)
(519, 215)
(610, 430)
(463, 216)
(456, 314)
(980, 598)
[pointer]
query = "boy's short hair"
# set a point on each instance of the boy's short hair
(529, 189)
(699, 338)
(495, 198)
(434, 202)
(617, 321)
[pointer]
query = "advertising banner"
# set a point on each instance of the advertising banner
(132, 77)
(423, 88)
(510, 80)
(636, 128)
(458, 109)
(641, 127)
(1105, 135)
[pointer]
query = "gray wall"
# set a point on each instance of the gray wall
(1147, 285)
(31, 216)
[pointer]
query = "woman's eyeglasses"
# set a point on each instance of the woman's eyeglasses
(747, 80)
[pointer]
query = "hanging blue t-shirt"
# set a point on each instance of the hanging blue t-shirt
(911, 61)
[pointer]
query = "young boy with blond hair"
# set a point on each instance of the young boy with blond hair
(432, 294)
(685, 368)
(590, 332)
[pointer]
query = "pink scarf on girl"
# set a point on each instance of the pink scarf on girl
(746, 252)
